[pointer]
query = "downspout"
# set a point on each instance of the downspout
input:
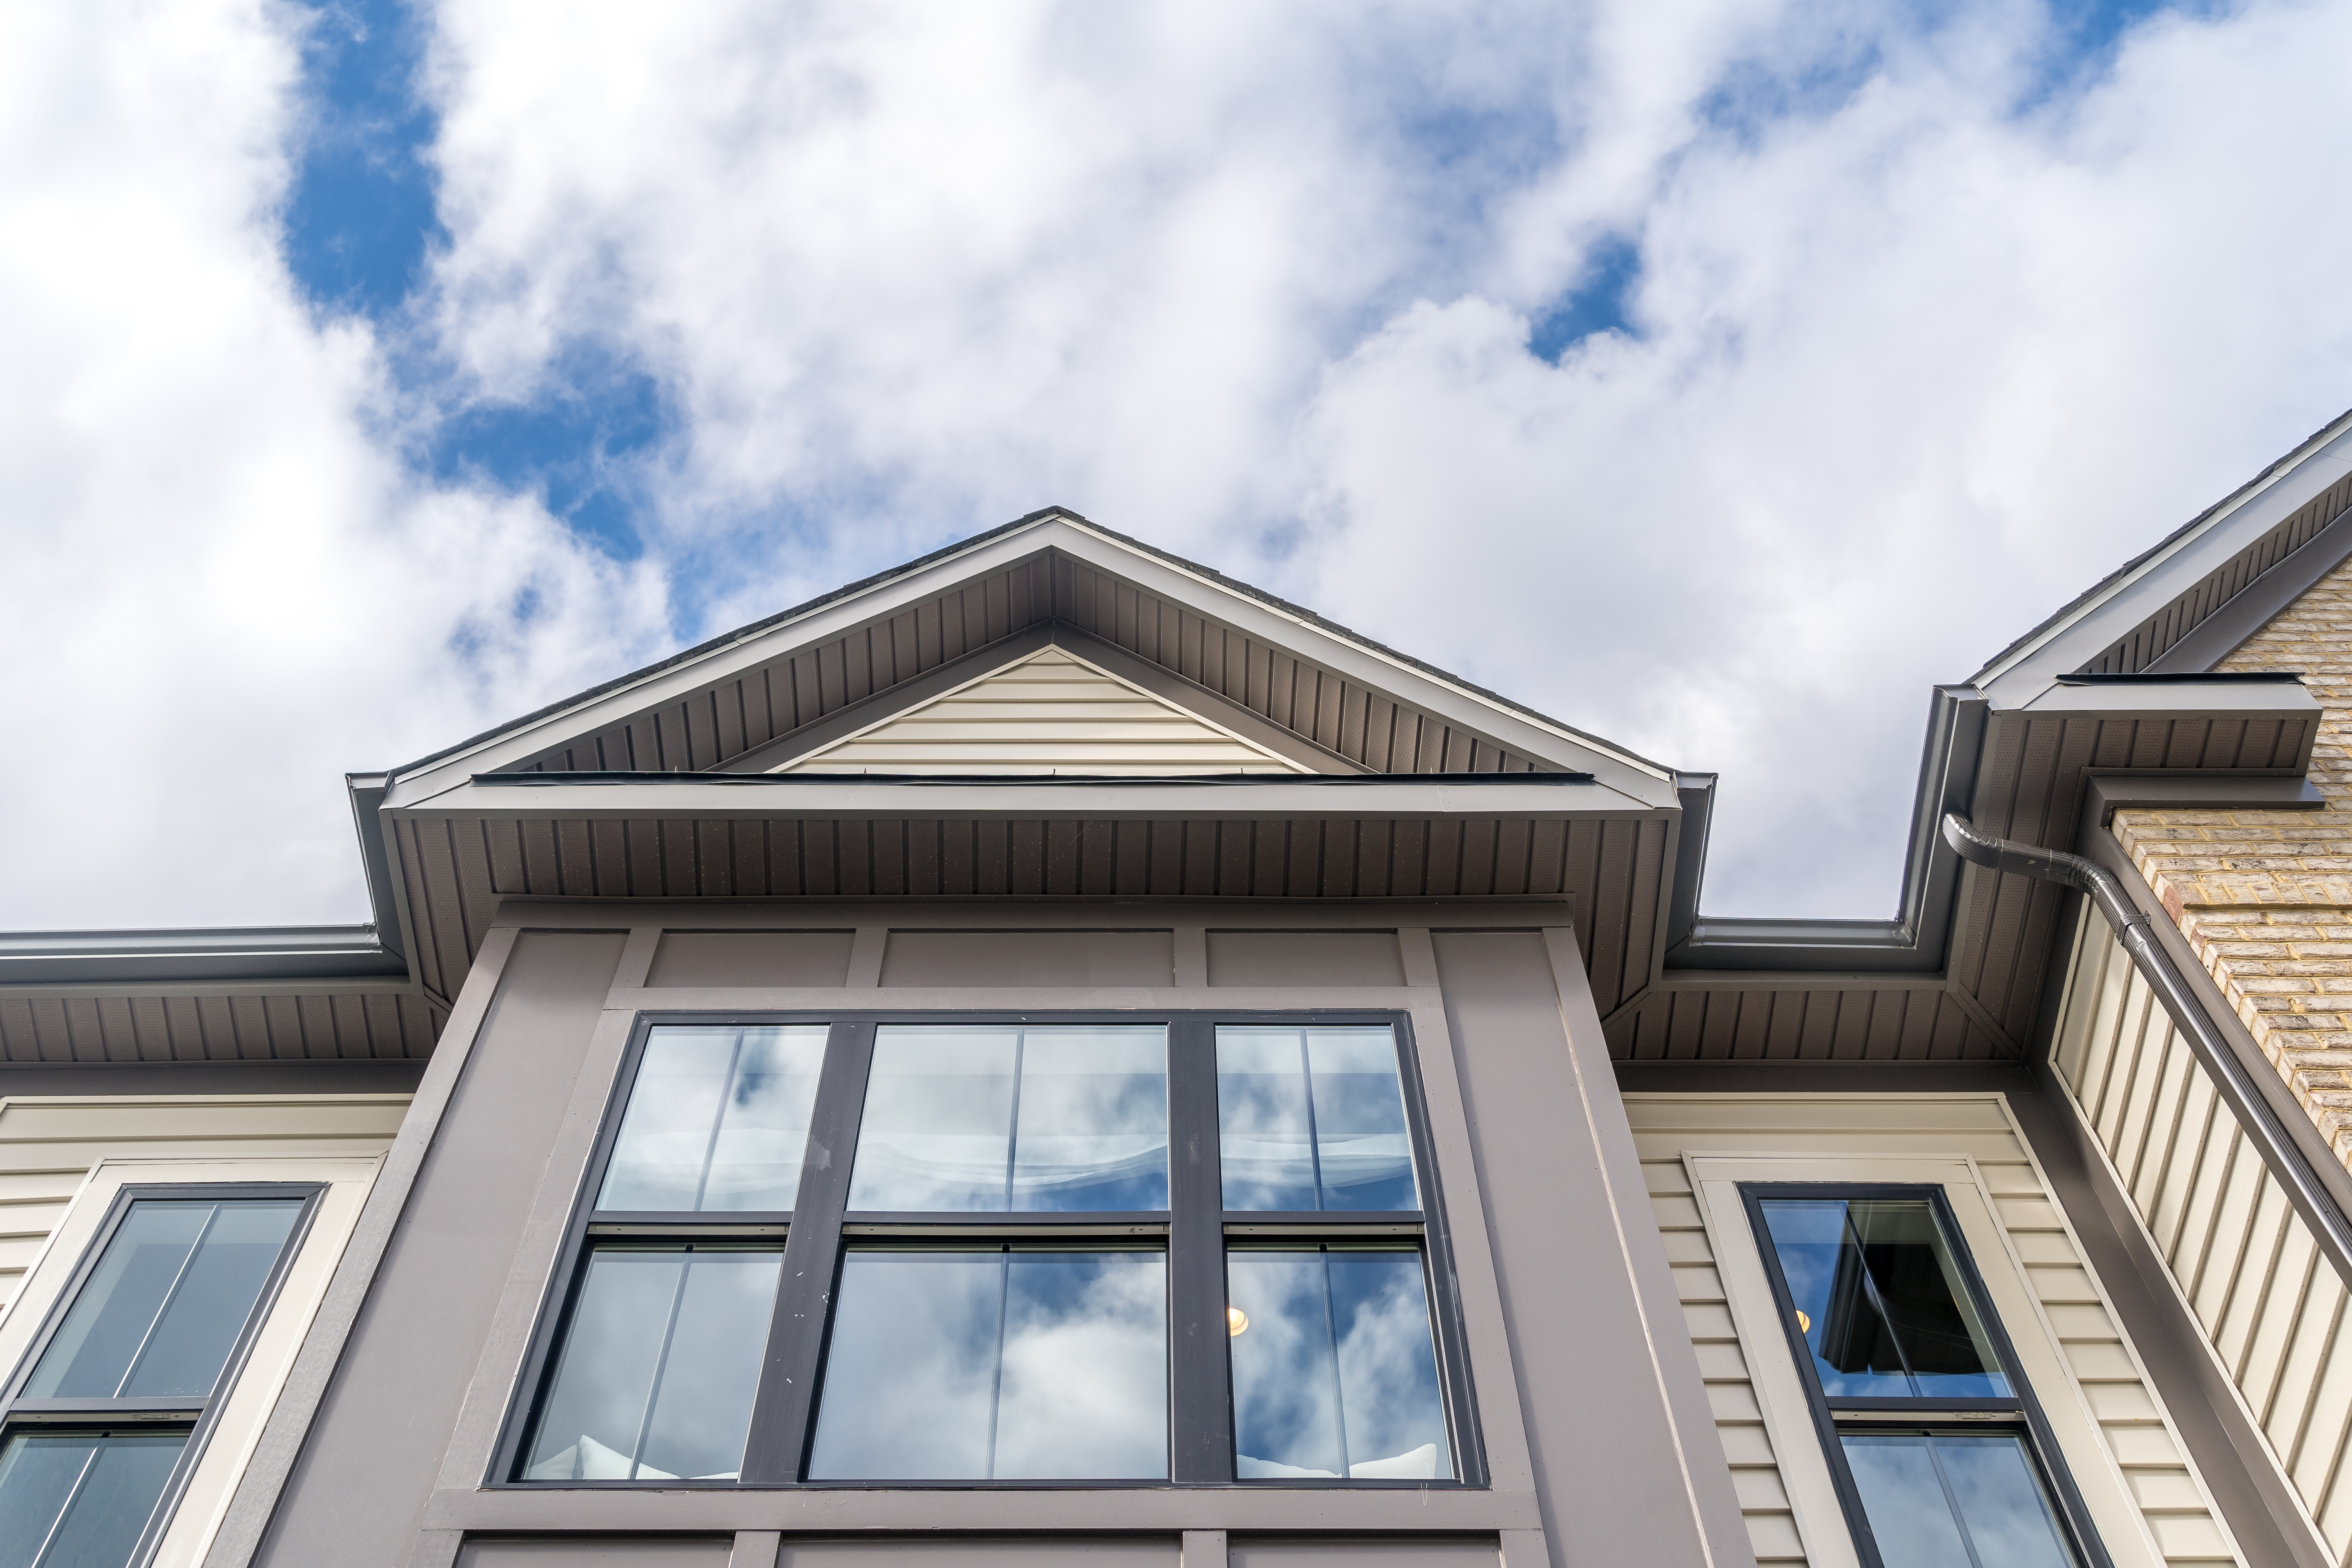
(2330, 1226)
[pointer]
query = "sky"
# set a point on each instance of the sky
(1715, 377)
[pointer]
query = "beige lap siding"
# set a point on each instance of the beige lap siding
(1738, 1420)
(2244, 1262)
(48, 1144)
(2139, 1442)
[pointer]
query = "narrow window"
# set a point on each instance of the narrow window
(103, 1424)
(1334, 1369)
(1939, 1453)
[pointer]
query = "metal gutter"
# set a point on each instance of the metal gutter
(1915, 939)
(2312, 1191)
(227, 953)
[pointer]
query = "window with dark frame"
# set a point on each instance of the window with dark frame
(1940, 1456)
(988, 1250)
(107, 1413)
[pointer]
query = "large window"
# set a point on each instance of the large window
(976, 1250)
(1939, 1453)
(111, 1406)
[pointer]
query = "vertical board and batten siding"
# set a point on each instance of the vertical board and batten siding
(2269, 1304)
(1047, 714)
(2142, 1446)
(50, 1143)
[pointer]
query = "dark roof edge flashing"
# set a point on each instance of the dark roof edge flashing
(2185, 678)
(1022, 781)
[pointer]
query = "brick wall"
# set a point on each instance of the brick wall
(2265, 897)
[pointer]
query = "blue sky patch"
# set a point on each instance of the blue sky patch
(1596, 304)
(361, 213)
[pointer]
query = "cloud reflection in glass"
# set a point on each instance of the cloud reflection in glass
(1334, 1373)
(1013, 1364)
(1312, 1119)
(717, 1119)
(1002, 1118)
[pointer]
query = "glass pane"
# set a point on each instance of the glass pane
(85, 1496)
(1334, 1369)
(717, 1119)
(983, 1117)
(1313, 1119)
(159, 1315)
(658, 1367)
(1931, 1498)
(1880, 1301)
(1024, 1363)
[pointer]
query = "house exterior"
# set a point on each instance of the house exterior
(1049, 1055)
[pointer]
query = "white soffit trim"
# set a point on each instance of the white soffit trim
(1647, 782)
(1044, 712)
(2019, 676)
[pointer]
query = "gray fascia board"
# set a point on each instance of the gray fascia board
(2018, 677)
(1506, 726)
(2285, 701)
(2112, 792)
(223, 954)
(1915, 939)
(740, 797)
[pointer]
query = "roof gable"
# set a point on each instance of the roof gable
(1045, 713)
(1321, 695)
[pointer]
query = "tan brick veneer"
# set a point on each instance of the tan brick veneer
(2265, 897)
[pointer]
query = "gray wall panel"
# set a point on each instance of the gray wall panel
(1278, 1551)
(592, 1552)
(941, 1551)
(1608, 1471)
(752, 958)
(1030, 958)
(1305, 958)
(359, 1488)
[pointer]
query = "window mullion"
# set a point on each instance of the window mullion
(779, 1436)
(1201, 1444)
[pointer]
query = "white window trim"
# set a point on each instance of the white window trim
(1779, 1384)
(244, 1411)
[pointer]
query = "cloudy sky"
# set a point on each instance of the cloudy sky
(1716, 376)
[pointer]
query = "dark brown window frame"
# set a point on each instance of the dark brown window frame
(1195, 1227)
(196, 1417)
(2021, 1414)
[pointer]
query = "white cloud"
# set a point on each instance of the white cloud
(220, 592)
(1253, 282)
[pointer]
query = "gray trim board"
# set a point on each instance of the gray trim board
(274, 1453)
(2108, 794)
(355, 1077)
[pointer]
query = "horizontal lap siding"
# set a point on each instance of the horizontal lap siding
(2144, 1447)
(2270, 1306)
(48, 1146)
(1739, 1419)
(204, 1029)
